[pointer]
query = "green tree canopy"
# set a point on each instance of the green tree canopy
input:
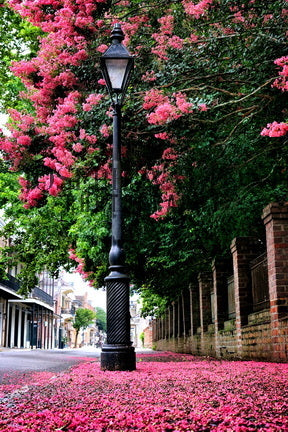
(83, 318)
(18, 41)
(101, 318)
(204, 135)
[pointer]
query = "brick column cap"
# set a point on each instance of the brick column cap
(239, 242)
(221, 262)
(275, 211)
(205, 276)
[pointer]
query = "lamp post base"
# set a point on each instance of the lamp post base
(118, 358)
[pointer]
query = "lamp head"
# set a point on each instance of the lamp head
(116, 66)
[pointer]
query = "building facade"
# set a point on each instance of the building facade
(27, 322)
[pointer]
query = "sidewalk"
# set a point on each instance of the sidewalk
(167, 392)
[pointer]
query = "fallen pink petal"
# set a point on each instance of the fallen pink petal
(167, 392)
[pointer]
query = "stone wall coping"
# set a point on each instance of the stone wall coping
(275, 211)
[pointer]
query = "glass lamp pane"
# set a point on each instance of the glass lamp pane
(116, 69)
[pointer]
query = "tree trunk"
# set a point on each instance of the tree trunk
(76, 337)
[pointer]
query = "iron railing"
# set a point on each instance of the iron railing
(260, 287)
(41, 295)
(231, 297)
(10, 282)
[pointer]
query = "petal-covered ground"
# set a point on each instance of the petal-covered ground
(166, 393)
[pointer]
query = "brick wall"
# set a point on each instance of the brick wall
(200, 321)
(148, 337)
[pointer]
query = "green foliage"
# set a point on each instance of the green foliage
(228, 171)
(142, 338)
(18, 40)
(101, 319)
(37, 240)
(153, 304)
(83, 318)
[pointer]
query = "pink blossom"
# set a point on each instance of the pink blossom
(31, 197)
(167, 392)
(162, 135)
(23, 182)
(78, 147)
(92, 100)
(194, 38)
(102, 48)
(176, 42)
(238, 17)
(182, 103)
(202, 107)
(163, 113)
(282, 81)
(104, 172)
(153, 98)
(149, 76)
(275, 129)
(105, 130)
(64, 156)
(167, 24)
(169, 154)
(196, 10)
(24, 140)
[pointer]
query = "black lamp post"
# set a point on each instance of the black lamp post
(117, 353)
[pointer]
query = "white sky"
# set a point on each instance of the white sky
(97, 297)
(3, 120)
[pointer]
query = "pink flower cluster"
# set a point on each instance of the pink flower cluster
(53, 89)
(166, 110)
(80, 267)
(92, 100)
(282, 81)
(149, 76)
(132, 25)
(183, 394)
(165, 38)
(161, 175)
(196, 9)
(49, 182)
(276, 129)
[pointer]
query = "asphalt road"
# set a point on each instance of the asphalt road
(24, 361)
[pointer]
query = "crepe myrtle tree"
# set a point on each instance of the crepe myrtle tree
(204, 135)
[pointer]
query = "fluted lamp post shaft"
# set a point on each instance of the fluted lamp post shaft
(118, 352)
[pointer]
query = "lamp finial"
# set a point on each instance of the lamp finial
(117, 34)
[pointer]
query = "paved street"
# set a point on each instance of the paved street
(42, 360)
(57, 360)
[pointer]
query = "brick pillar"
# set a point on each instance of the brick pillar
(194, 307)
(162, 327)
(244, 250)
(175, 321)
(205, 283)
(180, 316)
(275, 218)
(167, 324)
(221, 269)
(170, 320)
(154, 330)
(186, 313)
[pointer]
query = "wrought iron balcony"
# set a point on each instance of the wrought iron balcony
(10, 282)
(41, 295)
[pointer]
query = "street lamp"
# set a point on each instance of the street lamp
(117, 353)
